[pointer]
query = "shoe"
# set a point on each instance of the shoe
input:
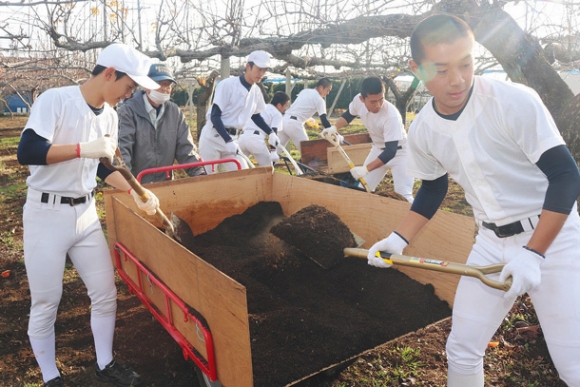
(120, 374)
(56, 382)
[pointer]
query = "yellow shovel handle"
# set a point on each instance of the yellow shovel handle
(478, 272)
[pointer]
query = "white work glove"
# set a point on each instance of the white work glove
(273, 140)
(232, 147)
(149, 206)
(525, 271)
(101, 147)
(274, 156)
(393, 244)
(329, 132)
(358, 172)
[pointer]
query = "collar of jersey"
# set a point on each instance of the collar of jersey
(245, 83)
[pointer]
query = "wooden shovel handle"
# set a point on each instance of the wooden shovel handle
(478, 272)
(348, 161)
(135, 185)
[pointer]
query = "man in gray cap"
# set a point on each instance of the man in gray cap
(153, 131)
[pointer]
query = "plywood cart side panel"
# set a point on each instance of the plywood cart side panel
(312, 149)
(447, 236)
(217, 297)
(225, 194)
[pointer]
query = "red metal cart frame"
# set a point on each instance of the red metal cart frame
(208, 366)
(168, 168)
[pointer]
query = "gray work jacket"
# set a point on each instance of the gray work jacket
(142, 146)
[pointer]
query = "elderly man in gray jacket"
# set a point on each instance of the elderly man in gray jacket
(153, 131)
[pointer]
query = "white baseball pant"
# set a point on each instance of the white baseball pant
(479, 310)
(252, 143)
(51, 231)
(213, 147)
(403, 183)
(292, 130)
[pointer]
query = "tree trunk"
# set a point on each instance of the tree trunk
(402, 99)
(524, 61)
(207, 85)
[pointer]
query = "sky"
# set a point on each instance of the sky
(542, 18)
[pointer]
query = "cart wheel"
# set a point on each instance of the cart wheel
(204, 380)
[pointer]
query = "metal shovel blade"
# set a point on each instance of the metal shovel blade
(181, 231)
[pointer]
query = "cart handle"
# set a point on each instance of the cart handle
(168, 168)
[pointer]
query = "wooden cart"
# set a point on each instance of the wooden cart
(205, 310)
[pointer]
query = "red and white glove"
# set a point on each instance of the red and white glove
(151, 203)
(232, 147)
(358, 172)
(101, 147)
(393, 244)
(524, 268)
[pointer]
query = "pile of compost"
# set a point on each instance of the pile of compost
(304, 318)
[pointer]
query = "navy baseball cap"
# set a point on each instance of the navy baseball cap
(160, 72)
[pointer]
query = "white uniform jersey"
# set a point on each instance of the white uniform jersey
(503, 124)
(271, 116)
(237, 104)
(384, 126)
(306, 104)
(62, 116)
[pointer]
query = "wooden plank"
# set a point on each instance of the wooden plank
(315, 150)
(357, 153)
(205, 201)
(217, 297)
(447, 236)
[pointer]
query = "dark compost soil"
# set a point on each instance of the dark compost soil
(304, 318)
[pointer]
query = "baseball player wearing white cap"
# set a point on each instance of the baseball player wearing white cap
(387, 132)
(237, 100)
(68, 130)
(252, 140)
(500, 143)
(308, 102)
(153, 131)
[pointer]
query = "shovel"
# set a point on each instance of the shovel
(292, 161)
(478, 272)
(334, 141)
(176, 227)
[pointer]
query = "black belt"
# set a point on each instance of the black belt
(232, 131)
(67, 200)
(256, 132)
(294, 118)
(505, 231)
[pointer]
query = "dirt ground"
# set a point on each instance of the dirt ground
(517, 355)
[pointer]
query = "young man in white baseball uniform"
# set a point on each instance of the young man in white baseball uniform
(252, 140)
(387, 132)
(500, 143)
(237, 100)
(68, 130)
(153, 131)
(308, 102)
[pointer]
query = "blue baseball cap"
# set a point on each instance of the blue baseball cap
(160, 72)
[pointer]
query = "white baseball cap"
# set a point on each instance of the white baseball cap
(260, 59)
(129, 61)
